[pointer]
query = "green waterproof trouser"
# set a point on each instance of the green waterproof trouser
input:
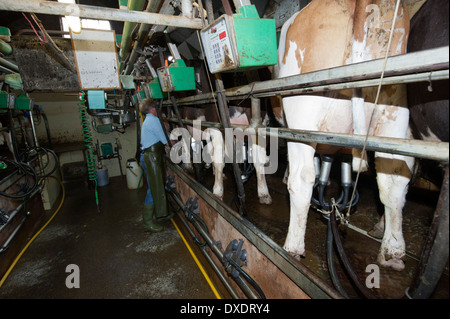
(154, 163)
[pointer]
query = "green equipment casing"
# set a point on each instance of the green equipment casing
(176, 77)
(240, 42)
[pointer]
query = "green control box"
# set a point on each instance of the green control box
(138, 97)
(176, 77)
(154, 89)
(6, 100)
(240, 42)
(23, 102)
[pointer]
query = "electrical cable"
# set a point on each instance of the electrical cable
(47, 151)
(2, 281)
(25, 156)
(92, 171)
(27, 170)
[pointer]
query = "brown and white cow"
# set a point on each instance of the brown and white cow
(327, 34)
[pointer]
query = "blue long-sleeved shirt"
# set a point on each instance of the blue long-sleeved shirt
(151, 132)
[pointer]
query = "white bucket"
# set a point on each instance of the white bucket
(134, 174)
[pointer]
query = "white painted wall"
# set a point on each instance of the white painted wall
(65, 127)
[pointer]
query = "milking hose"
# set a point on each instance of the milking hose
(28, 170)
(340, 249)
(330, 261)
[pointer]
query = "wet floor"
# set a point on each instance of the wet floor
(361, 250)
(114, 256)
(117, 259)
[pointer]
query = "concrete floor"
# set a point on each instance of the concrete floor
(118, 260)
(115, 257)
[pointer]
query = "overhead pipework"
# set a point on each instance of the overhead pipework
(99, 13)
(135, 5)
(6, 66)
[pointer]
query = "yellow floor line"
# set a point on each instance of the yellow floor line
(216, 293)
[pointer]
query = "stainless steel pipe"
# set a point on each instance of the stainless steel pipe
(438, 151)
(241, 282)
(222, 278)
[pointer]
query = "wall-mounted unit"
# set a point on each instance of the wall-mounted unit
(240, 42)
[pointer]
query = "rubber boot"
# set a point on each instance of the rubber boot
(147, 216)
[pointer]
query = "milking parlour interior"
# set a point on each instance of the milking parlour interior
(207, 152)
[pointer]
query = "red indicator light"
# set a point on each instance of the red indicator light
(222, 35)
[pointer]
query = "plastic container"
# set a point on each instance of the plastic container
(134, 174)
(102, 177)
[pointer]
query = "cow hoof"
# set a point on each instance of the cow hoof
(265, 199)
(297, 257)
(296, 254)
(393, 263)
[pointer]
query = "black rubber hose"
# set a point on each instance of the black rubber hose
(248, 277)
(13, 136)
(340, 249)
(47, 129)
(27, 170)
(47, 151)
(322, 202)
(330, 261)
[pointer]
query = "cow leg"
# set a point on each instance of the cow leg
(300, 185)
(259, 160)
(359, 162)
(215, 147)
(393, 176)
(188, 166)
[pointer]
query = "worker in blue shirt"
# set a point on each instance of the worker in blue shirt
(153, 143)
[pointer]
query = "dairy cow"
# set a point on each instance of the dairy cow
(216, 151)
(327, 34)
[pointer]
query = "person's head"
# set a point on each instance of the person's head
(148, 106)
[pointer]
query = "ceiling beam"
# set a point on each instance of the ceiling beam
(100, 13)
